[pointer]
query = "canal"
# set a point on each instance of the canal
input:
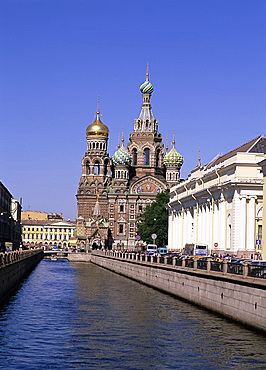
(80, 316)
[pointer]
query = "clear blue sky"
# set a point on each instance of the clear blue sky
(207, 65)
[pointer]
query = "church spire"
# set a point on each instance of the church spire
(147, 72)
(173, 142)
(146, 121)
(199, 160)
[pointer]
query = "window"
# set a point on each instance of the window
(105, 168)
(146, 157)
(121, 229)
(140, 208)
(135, 157)
(157, 157)
(96, 168)
(259, 231)
(121, 208)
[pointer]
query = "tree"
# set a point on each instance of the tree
(154, 220)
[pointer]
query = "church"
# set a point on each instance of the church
(114, 191)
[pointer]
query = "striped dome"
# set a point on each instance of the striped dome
(121, 156)
(146, 87)
(173, 159)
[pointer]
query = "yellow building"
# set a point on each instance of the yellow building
(36, 215)
(47, 233)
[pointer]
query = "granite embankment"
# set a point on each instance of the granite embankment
(14, 267)
(237, 296)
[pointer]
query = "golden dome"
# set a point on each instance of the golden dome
(97, 128)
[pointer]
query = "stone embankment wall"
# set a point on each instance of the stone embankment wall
(240, 298)
(14, 266)
(79, 257)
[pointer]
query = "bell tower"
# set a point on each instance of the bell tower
(96, 170)
(146, 147)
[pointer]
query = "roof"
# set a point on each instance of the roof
(47, 223)
(253, 146)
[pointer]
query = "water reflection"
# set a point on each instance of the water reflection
(80, 316)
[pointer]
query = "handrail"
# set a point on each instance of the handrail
(244, 270)
(14, 256)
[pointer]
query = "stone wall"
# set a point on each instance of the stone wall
(79, 257)
(240, 298)
(14, 266)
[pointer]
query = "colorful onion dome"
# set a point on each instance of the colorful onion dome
(173, 158)
(97, 128)
(121, 156)
(146, 87)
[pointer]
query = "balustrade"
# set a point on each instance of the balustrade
(208, 265)
(14, 256)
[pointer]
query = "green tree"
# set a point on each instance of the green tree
(154, 220)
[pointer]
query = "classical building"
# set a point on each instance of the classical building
(113, 191)
(220, 204)
(263, 165)
(10, 217)
(47, 233)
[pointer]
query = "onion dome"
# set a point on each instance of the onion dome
(173, 158)
(97, 128)
(121, 156)
(146, 87)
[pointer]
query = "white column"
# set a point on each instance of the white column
(242, 224)
(222, 224)
(251, 224)
(53, 236)
(199, 224)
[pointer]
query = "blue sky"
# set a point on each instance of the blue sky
(207, 65)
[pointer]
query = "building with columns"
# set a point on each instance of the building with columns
(220, 204)
(122, 186)
(263, 165)
(47, 233)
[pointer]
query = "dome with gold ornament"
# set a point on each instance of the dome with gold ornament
(146, 87)
(97, 128)
(121, 156)
(173, 158)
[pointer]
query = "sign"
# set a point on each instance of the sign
(154, 236)
(216, 244)
(137, 237)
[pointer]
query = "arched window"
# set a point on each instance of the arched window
(135, 157)
(88, 168)
(105, 168)
(146, 157)
(157, 157)
(96, 168)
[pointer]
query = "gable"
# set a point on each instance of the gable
(148, 185)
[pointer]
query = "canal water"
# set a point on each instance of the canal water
(80, 316)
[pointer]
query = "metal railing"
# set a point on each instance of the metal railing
(206, 264)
